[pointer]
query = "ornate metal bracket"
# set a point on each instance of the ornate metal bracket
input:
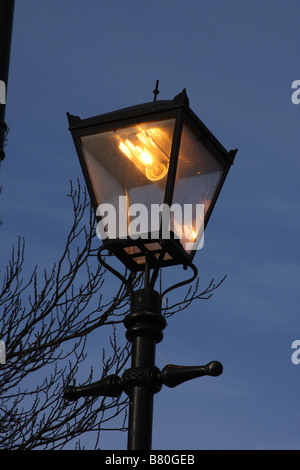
(151, 378)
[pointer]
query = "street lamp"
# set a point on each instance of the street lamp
(148, 170)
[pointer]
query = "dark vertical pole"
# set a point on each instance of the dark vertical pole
(144, 329)
(6, 23)
(141, 398)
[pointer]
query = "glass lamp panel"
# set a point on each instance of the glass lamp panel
(128, 170)
(198, 176)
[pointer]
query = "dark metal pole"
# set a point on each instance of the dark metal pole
(144, 329)
(141, 398)
(6, 23)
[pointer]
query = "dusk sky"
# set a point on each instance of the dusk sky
(237, 61)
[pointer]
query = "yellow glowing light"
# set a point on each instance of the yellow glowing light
(146, 158)
(156, 172)
(187, 232)
(149, 157)
(190, 232)
(125, 150)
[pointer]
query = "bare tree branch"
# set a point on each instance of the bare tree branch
(45, 321)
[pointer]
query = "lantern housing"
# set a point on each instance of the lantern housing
(148, 169)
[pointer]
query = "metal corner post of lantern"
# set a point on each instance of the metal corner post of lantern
(154, 153)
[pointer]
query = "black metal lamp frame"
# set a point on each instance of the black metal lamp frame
(145, 322)
(179, 109)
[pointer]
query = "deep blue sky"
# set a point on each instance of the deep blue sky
(237, 61)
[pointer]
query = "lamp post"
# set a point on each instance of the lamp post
(160, 155)
(6, 24)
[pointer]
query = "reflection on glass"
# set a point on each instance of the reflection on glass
(198, 176)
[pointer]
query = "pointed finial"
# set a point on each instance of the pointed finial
(181, 98)
(156, 92)
(72, 119)
(232, 154)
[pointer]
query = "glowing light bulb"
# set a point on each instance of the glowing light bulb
(149, 157)
(156, 172)
(146, 158)
(125, 150)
